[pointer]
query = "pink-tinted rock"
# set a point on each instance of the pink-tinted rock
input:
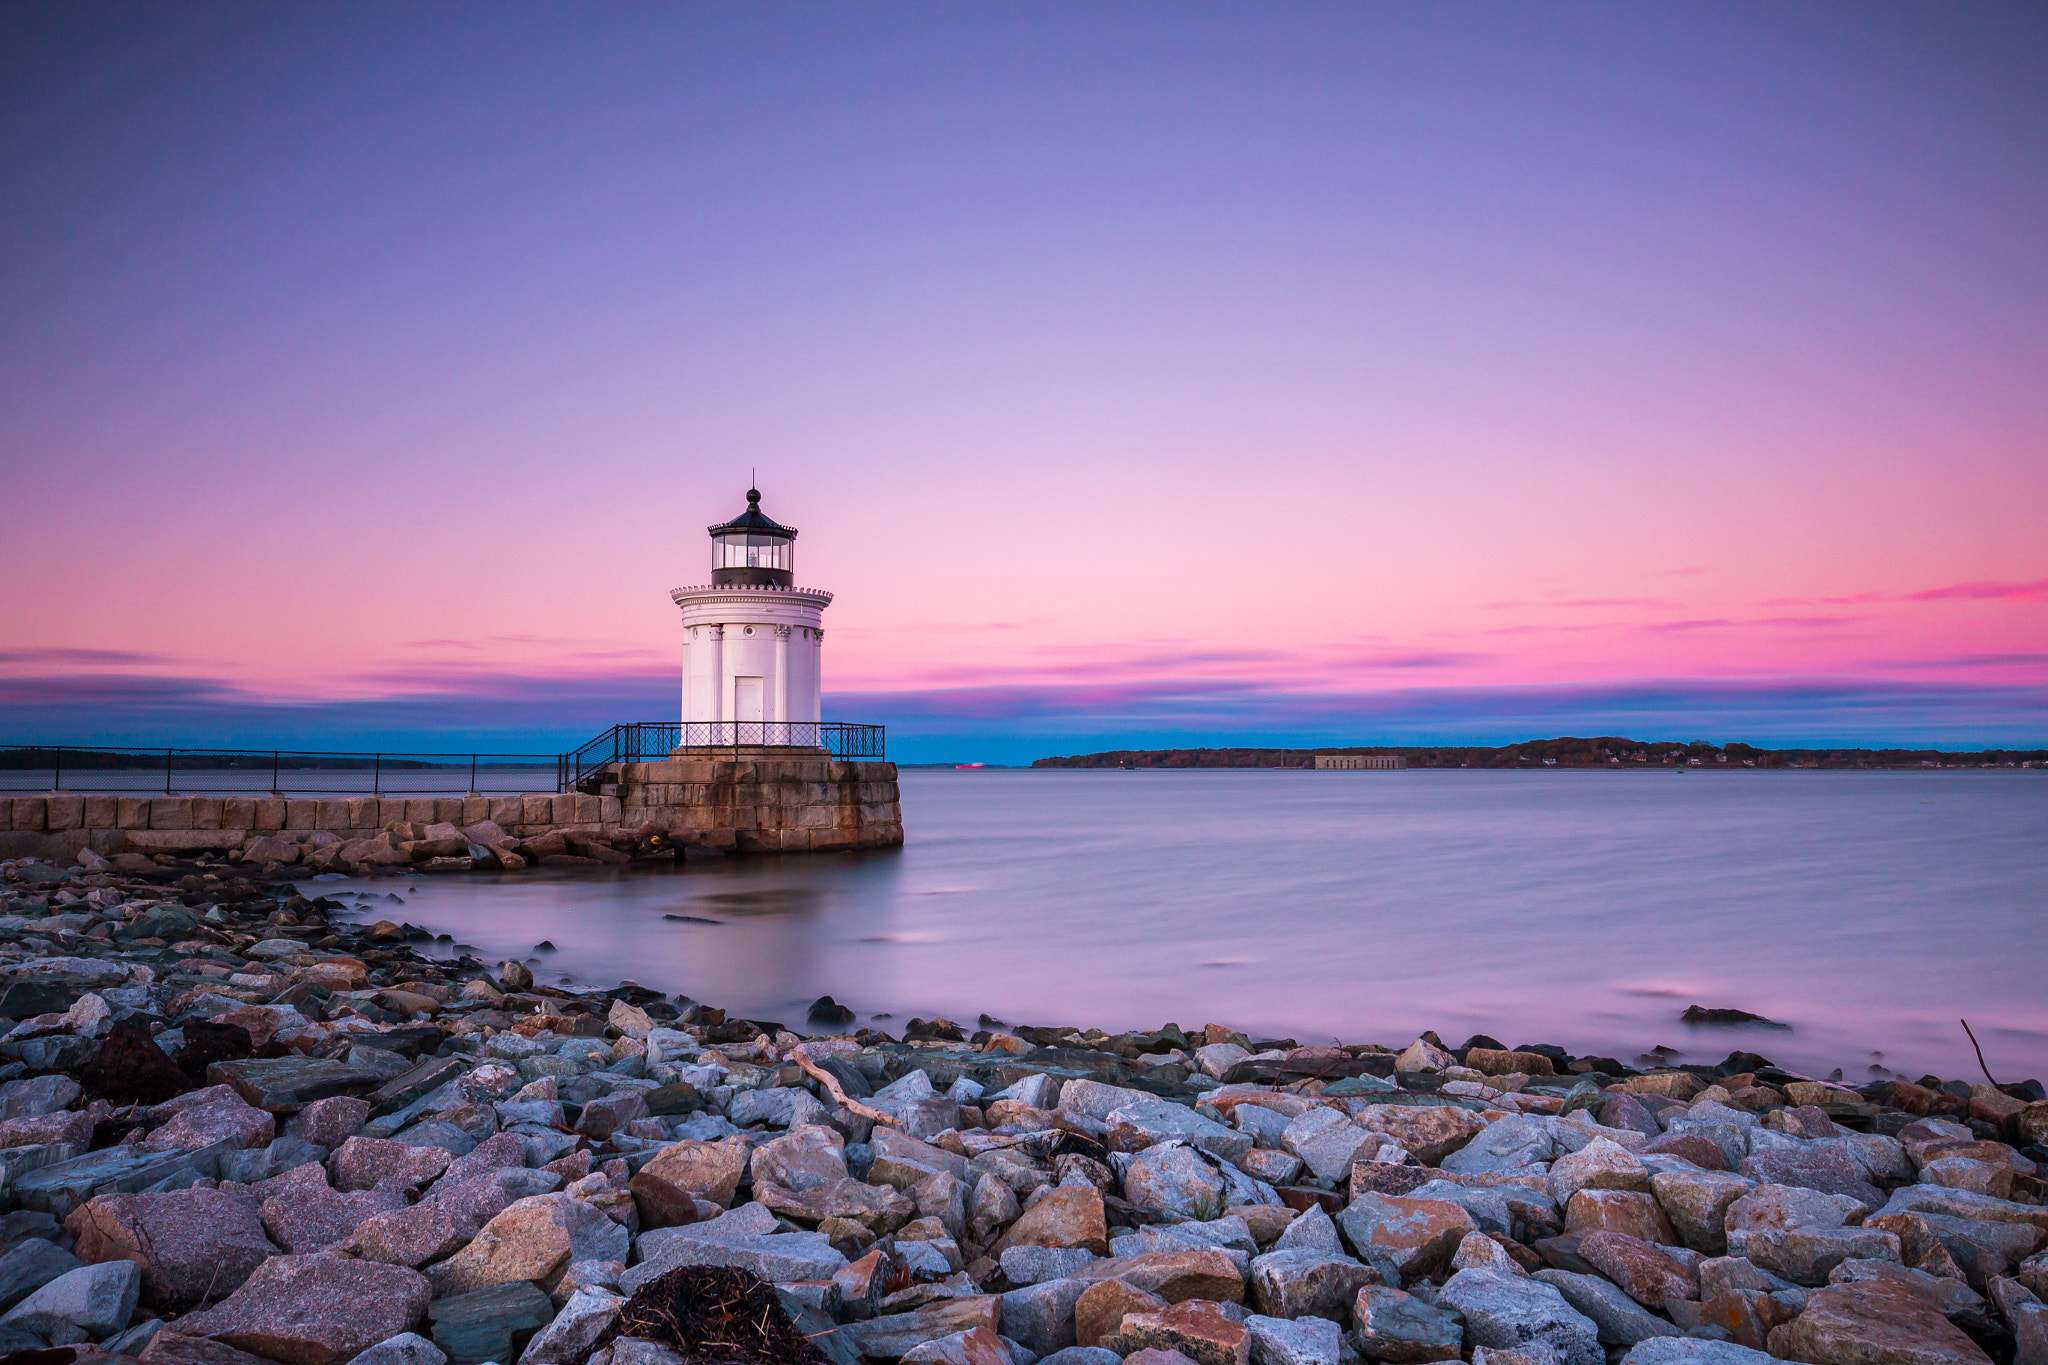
(1643, 1271)
(1070, 1216)
(1688, 1147)
(366, 1163)
(436, 1227)
(1830, 1170)
(495, 1152)
(68, 1125)
(1873, 1322)
(329, 1122)
(229, 1120)
(303, 1213)
(191, 1245)
(1197, 1329)
(1623, 1211)
(315, 1310)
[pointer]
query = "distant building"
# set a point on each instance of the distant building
(1361, 761)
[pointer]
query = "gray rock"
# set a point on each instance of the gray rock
(1293, 1284)
(1697, 1203)
(1311, 1231)
(1328, 1141)
(489, 1324)
(14, 1339)
(569, 1337)
(93, 1301)
(1507, 1312)
(407, 1348)
(131, 1342)
(1097, 1100)
(1262, 1123)
(1294, 1341)
(1694, 1351)
(1041, 1316)
(29, 1265)
(1774, 1208)
(261, 1163)
(59, 1188)
(1082, 1355)
(778, 1258)
(1518, 1144)
(1621, 1320)
(1390, 1325)
(1171, 1178)
(1806, 1255)
(1036, 1265)
(1158, 1120)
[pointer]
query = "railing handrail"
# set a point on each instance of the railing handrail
(632, 742)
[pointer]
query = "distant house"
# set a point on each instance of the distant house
(1361, 761)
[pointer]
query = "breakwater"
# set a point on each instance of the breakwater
(742, 805)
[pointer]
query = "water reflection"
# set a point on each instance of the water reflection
(1869, 911)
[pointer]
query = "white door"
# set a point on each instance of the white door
(746, 699)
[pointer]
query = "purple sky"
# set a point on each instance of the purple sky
(1301, 374)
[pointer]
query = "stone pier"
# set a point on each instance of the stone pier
(744, 805)
(762, 803)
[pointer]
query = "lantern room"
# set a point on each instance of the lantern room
(753, 551)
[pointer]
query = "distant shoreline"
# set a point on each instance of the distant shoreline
(1606, 753)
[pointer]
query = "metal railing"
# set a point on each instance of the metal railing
(312, 772)
(280, 772)
(644, 740)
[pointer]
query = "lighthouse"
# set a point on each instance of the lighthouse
(753, 643)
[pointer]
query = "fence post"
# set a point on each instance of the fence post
(167, 772)
(377, 776)
(273, 772)
(472, 772)
(57, 771)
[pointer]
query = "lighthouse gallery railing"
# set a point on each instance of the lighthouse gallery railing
(642, 741)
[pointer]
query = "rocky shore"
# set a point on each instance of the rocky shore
(243, 1123)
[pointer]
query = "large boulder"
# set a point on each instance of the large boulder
(802, 1160)
(1293, 1284)
(1067, 1216)
(314, 1310)
(1391, 1325)
(1517, 1145)
(93, 1301)
(1328, 1142)
(534, 1239)
(190, 1245)
(1429, 1133)
(1198, 1329)
(1404, 1239)
(1173, 1179)
(709, 1170)
(1873, 1322)
(1509, 1312)
(303, 1213)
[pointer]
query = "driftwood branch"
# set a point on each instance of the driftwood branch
(1980, 1055)
(800, 1054)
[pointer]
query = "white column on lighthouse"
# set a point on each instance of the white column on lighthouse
(781, 714)
(817, 674)
(717, 674)
(687, 676)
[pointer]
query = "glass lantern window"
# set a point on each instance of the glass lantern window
(753, 552)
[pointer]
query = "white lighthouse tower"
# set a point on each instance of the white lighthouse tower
(752, 642)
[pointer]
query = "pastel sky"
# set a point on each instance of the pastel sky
(1136, 374)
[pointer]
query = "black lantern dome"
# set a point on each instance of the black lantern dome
(752, 550)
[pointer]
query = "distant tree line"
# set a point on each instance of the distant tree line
(1567, 751)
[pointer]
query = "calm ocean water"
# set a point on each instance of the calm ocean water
(1869, 911)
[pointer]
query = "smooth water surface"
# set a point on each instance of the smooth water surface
(1870, 911)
